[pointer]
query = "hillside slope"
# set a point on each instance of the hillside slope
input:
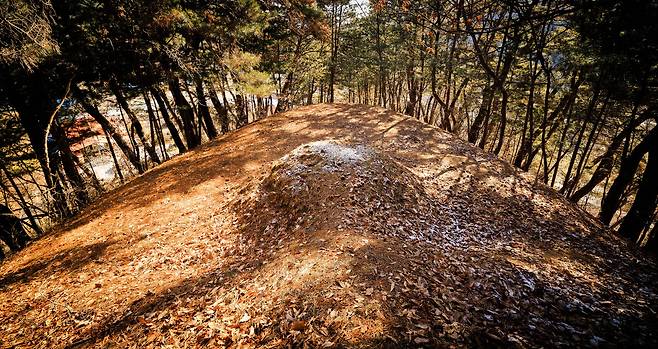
(330, 226)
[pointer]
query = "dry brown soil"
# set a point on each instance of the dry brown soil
(330, 226)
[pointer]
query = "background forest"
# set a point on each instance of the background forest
(94, 92)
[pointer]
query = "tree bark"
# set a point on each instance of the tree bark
(242, 116)
(156, 127)
(627, 169)
(202, 106)
(109, 128)
(639, 216)
(21, 200)
(162, 106)
(114, 155)
(503, 121)
(222, 112)
(483, 112)
(606, 161)
(186, 113)
(121, 99)
(69, 166)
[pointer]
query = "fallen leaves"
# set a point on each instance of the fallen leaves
(298, 325)
(245, 317)
(421, 340)
(428, 243)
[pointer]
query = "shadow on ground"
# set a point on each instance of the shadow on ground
(530, 269)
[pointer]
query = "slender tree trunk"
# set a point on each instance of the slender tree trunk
(240, 106)
(186, 113)
(639, 216)
(483, 112)
(410, 109)
(591, 140)
(89, 172)
(311, 90)
(560, 155)
(627, 170)
(284, 102)
(163, 141)
(606, 161)
(175, 136)
(202, 106)
(544, 123)
(522, 157)
(169, 108)
(154, 126)
(503, 121)
(21, 200)
(487, 125)
(114, 156)
(222, 112)
(69, 166)
(652, 240)
(114, 86)
(109, 128)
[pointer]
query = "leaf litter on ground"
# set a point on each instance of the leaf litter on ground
(330, 226)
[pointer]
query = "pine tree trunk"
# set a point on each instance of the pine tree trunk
(591, 140)
(652, 240)
(222, 112)
(243, 117)
(483, 112)
(114, 155)
(155, 128)
(606, 161)
(202, 106)
(410, 109)
(121, 99)
(21, 200)
(503, 122)
(162, 106)
(639, 216)
(69, 166)
(186, 113)
(109, 128)
(629, 165)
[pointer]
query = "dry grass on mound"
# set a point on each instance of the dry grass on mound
(330, 226)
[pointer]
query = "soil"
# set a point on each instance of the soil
(330, 226)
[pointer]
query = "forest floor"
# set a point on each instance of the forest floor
(330, 226)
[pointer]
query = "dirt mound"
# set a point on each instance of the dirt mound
(446, 265)
(333, 186)
(330, 226)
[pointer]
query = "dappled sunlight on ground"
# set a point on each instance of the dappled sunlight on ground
(250, 240)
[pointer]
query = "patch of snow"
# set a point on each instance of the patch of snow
(296, 169)
(332, 152)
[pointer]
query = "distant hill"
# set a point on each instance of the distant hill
(330, 226)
